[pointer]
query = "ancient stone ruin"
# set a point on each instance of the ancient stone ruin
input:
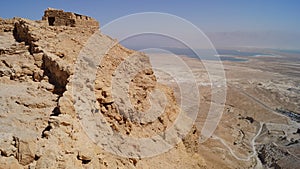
(57, 17)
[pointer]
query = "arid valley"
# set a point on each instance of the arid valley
(260, 122)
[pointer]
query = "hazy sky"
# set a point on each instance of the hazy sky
(213, 15)
(210, 15)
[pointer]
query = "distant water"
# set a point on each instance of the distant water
(289, 51)
(148, 41)
(222, 54)
(233, 59)
(239, 53)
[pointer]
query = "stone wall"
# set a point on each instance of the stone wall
(60, 18)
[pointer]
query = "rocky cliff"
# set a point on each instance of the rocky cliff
(39, 124)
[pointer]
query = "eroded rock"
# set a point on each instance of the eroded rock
(40, 124)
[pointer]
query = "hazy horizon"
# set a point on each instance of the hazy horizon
(261, 24)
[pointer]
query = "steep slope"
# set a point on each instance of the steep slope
(40, 127)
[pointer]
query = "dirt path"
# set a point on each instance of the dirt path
(252, 143)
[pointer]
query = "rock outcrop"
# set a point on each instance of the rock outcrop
(39, 125)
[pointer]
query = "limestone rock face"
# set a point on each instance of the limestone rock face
(26, 151)
(7, 144)
(10, 163)
(39, 127)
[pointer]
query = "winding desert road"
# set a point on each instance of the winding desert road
(252, 143)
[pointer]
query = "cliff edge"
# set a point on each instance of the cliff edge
(39, 124)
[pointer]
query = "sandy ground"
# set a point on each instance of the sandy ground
(255, 92)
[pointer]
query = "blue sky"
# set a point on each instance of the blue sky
(210, 15)
(213, 15)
